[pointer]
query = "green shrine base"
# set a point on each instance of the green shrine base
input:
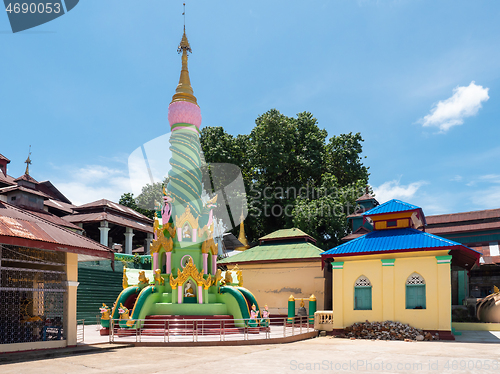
(189, 309)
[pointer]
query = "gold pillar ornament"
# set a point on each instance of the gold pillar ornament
(125, 278)
(242, 237)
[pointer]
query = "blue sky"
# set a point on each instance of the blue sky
(418, 79)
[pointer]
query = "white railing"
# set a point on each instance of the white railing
(200, 330)
(323, 320)
(80, 330)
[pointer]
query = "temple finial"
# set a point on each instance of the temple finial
(184, 91)
(28, 162)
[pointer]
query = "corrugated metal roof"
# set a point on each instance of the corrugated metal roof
(2, 157)
(464, 228)
(23, 189)
(465, 216)
(110, 217)
(286, 234)
(48, 188)
(391, 206)
(393, 240)
(109, 204)
(60, 205)
(55, 219)
(267, 252)
(27, 178)
(6, 179)
(366, 197)
(18, 224)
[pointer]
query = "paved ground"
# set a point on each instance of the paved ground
(320, 355)
(92, 336)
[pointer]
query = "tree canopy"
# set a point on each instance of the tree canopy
(293, 176)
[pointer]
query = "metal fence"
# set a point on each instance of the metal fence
(200, 330)
(32, 295)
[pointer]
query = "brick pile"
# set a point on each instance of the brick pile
(388, 330)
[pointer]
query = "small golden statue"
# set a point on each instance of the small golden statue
(228, 278)
(142, 278)
(158, 278)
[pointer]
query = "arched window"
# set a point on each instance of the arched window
(362, 294)
(415, 292)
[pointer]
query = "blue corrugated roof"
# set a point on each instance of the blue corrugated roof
(391, 206)
(392, 240)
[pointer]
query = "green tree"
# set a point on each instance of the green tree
(285, 161)
(145, 202)
(127, 199)
(342, 158)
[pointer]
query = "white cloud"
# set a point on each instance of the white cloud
(456, 178)
(465, 102)
(487, 199)
(492, 178)
(394, 190)
(94, 182)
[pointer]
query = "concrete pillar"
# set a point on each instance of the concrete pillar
(71, 269)
(168, 268)
(104, 229)
(174, 294)
(444, 292)
(214, 264)
(179, 294)
(388, 288)
(205, 263)
(338, 294)
(129, 234)
(147, 245)
(155, 261)
(200, 294)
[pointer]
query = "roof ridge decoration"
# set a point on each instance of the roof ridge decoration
(28, 163)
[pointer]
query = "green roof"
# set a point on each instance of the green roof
(283, 251)
(286, 233)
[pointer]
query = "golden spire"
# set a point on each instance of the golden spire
(28, 163)
(242, 237)
(184, 91)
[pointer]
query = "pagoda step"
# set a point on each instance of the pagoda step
(187, 322)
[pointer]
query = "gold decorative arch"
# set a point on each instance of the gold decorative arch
(186, 217)
(190, 270)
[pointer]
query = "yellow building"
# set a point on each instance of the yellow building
(286, 262)
(396, 272)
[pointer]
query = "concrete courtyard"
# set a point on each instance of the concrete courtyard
(319, 355)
